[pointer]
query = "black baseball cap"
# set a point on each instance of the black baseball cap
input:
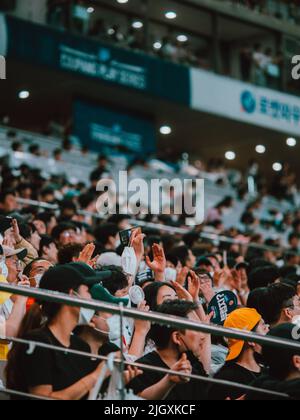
(63, 278)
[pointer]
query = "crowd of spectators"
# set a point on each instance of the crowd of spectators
(287, 10)
(68, 251)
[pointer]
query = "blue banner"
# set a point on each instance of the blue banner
(109, 131)
(55, 49)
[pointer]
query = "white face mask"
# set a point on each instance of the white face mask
(38, 279)
(114, 326)
(4, 268)
(170, 274)
(86, 316)
(129, 261)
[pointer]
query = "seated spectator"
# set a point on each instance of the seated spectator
(36, 269)
(48, 249)
(64, 234)
(45, 222)
(284, 367)
(278, 304)
(263, 276)
(176, 350)
(69, 253)
(108, 236)
(241, 365)
(8, 202)
(67, 377)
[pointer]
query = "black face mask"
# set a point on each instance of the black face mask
(260, 360)
(189, 353)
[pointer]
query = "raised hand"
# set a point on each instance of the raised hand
(182, 275)
(131, 373)
(16, 231)
(182, 366)
(159, 263)
(140, 325)
(137, 243)
(86, 254)
(194, 286)
(182, 293)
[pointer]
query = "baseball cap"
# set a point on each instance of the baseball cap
(243, 319)
(101, 294)
(98, 292)
(10, 252)
(63, 278)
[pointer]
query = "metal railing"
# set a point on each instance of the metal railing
(180, 323)
(214, 237)
(246, 388)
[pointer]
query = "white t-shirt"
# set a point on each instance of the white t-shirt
(6, 309)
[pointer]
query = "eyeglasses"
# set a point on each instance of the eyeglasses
(16, 263)
(68, 234)
(291, 304)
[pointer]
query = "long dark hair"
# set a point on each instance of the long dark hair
(151, 293)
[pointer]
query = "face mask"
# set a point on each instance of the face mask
(86, 316)
(296, 320)
(114, 327)
(101, 332)
(118, 243)
(129, 261)
(186, 347)
(4, 269)
(170, 274)
(259, 359)
(38, 279)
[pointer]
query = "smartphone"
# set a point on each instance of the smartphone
(125, 235)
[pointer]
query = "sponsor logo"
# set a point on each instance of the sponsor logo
(248, 102)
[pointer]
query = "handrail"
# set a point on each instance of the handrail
(165, 228)
(155, 317)
(142, 366)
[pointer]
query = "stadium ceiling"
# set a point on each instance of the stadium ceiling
(203, 135)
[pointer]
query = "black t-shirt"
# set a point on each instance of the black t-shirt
(108, 348)
(55, 368)
(192, 391)
(290, 388)
(231, 372)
